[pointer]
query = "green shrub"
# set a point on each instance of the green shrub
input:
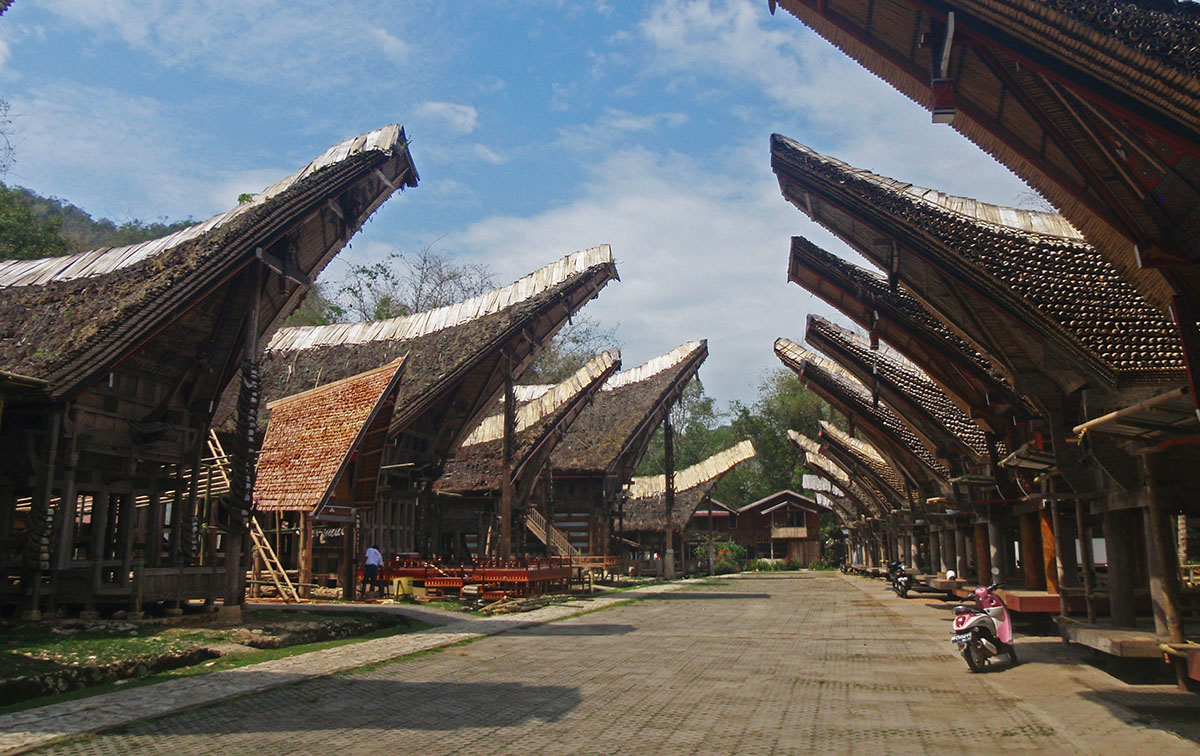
(725, 567)
(724, 550)
(791, 563)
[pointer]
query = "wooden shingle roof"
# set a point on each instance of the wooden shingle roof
(850, 397)
(312, 437)
(1031, 267)
(910, 393)
(80, 315)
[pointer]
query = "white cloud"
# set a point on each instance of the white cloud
(257, 41)
(460, 119)
(488, 155)
(700, 256)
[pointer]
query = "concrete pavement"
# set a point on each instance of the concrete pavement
(808, 663)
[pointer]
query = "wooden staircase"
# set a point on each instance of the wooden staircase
(557, 539)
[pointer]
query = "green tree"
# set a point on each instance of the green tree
(405, 284)
(318, 308)
(569, 350)
(24, 236)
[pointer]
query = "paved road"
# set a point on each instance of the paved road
(807, 664)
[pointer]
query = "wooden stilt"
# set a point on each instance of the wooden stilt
(669, 497)
(1049, 550)
(506, 483)
(1166, 593)
(995, 536)
(1031, 548)
(1121, 569)
(983, 556)
(1085, 552)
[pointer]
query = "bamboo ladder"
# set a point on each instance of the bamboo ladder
(263, 550)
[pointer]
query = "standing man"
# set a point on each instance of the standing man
(372, 563)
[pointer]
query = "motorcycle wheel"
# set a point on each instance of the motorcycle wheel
(1012, 655)
(975, 656)
(903, 591)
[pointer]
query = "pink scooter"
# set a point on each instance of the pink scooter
(985, 630)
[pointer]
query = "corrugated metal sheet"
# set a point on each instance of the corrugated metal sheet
(492, 428)
(423, 323)
(693, 476)
(652, 367)
(107, 259)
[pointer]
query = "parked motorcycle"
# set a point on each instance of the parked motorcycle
(984, 631)
(901, 582)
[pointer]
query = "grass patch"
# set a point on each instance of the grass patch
(230, 661)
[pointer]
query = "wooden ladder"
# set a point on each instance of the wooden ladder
(264, 552)
(558, 540)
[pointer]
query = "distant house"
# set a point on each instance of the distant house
(784, 525)
(723, 518)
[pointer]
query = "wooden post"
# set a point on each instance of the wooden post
(506, 484)
(38, 529)
(983, 556)
(935, 548)
(712, 551)
(1031, 557)
(125, 533)
(669, 497)
(995, 537)
(1164, 588)
(1088, 569)
(349, 554)
(96, 542)
(961, 564)
(1049, 550)
(1121, 568)
(304, 557)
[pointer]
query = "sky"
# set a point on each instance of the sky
(538, 128)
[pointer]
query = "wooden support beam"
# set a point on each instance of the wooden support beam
(983, 555)
(506, 483)
(1031, 548)
(669, 496)
(1049, 550)
(1165, 590)
(1088, 568)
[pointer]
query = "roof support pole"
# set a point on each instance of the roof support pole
(241, 488)
(41, 517)
(983, 555)
(1164, 586)
(1121, 568)
(669, 496)
(506, 484)
(1085, 551)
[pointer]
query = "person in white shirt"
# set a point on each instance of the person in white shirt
(372, 563)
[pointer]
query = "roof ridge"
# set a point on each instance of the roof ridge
(698, 474)
(785, 347)
(863, 447)
(102, 260)
(1015, 219)
(653, 366)
(492, 427)
(423, 323)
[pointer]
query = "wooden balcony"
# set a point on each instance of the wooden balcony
(784, 533)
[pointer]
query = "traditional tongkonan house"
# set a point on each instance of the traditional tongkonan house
(915, 475)
(113, 362)
(1096, 104)
(784, 525)
(468, 516)
(656, 513)
(942, 427)
(322, 451)
(711, 518)
(604, 446)
(1066, 330)
(824, 475)
(460, 358)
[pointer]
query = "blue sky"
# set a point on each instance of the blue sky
(539, 127)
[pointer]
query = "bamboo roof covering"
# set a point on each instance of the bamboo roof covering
(444, 343)
(868, 470)
(478, 464)
(547, 400)
(850, 397)
(312, 436)
(645, 508)
(829, 474)
(898, 319)
(1051, 285)
(81, 315)
(911, 394)
(1092, 103)
(698, 474)
(612, 433)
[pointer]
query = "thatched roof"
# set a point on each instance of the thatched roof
(312, 437)
(645, 508)
(1095, 104)
(542, 419)
(904, 387)
(862, 490)
(897, 318)
(1031, 268)
(455, 353)
(71, 319)
(849, 396)
(883, 477)
(611, 435)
